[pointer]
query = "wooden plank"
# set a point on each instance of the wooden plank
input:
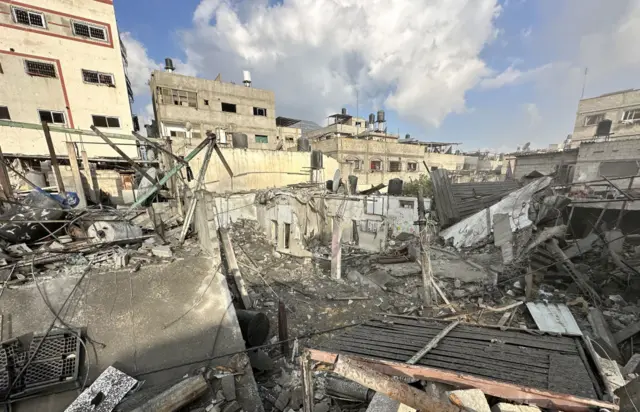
(627, 333)
(5, 182)
(513, 392)
(415, 358)
(77, 177)
(54, 160)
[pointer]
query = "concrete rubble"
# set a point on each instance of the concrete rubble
(299, 265)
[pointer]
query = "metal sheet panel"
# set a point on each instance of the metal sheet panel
(554, 318)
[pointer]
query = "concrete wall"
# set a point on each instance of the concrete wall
(612, 106)
(375, 218)
(259, 169)
(67, 92)
(208, 114)
(544, 163)
(591, 156)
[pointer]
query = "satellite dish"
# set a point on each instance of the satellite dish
(336, 181)
(525, 148)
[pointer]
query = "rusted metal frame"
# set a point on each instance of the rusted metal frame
(433, 343)
(624, 205)
(162, 149)
(509, 391)
(223, 160)
(123, 155)
(357, 371)
(615, 186)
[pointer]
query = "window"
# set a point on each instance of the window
(206, 102)
(97, 78)
(376, 165)
(288, 138)
(412, 166)
(40, 69)
(355, 164)
(287, 235)
(105, 121)
(259, 111)
(631, 115)
(51, 117)
(394, 166)
(4, 113)
(89, 31)
(177, 133)
(619, 168)
(29, 18)
(196, 135)
(407, 204)
(262, 139)
(179, 97)
(434, 168)
(593, 120)
(358, 124)
(228, 107)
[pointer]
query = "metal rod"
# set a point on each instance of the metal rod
(169, 174)
(77, 177)
(283, 330)
(624, 205)
(615, 186)
(162, 149)
(54, 159)
(123, 155)
(432, 344)
(223, 160)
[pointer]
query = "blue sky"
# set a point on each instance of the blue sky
(489, 74)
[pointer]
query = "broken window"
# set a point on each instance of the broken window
(105, 121)
(4, 113)
(179, 97)
(374, 205)
(407, 204)
(631, 115)
(228, 107)
(288, 138)
(355, 164)
(89, 31)
(593, 119)
(259, 111)
(177, 133)
(262, 138)
(29, 18)
(274, 232)
(206, 102)
(51, 117)
(90, 76)
(35, 68)
(370, 226)
(196, 135)
(394, 166)
(412, 166)
(376, 165)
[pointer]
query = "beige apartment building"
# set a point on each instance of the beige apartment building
(61, 61)
(620, 112)
(186, 108)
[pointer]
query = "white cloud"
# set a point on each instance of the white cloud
(416, 58)
(512, 76)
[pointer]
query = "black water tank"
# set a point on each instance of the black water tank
(330, 185)
(395, 187)
(353, 184)
(316, 159)
(304, 145)
(254, 326)
(240, 140)
(604, 128)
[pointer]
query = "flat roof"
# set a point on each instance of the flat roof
(286, 121)
(422, 143)
(611, 94)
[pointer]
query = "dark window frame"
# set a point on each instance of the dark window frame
(99, 77)
(229, 106)
(412, 166)
(107, 119)
(395, 166)
(177, 97)
(29, 22)
(40, 69)
(90, 31)
(259, 111)
(61, 117)
(6, 110)
(261, 136)
(593, 119)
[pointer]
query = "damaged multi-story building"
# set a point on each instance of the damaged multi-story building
(62, 62)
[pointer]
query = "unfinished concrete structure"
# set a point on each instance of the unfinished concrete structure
(187, 108)
(62, 62)
(621, 108)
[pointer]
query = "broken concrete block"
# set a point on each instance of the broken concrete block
(629, 396)
(632, 365)
(283, 400)
(471, 400)
(611, 372)
(605, 342)
(56, 246)
(627, 332)
(508, 407)
(297, 398)
(323, 406)
(615, 240)
(162, 251)
(228, 383)
(18, 250)
(232, 407)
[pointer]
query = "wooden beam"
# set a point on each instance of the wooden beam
(176, 397)
(433, 343)
(7, 190)
(359, 372)
(521, 394)
(91, 176)
(54, 160)
(77, 177)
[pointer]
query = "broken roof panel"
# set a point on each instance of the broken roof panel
(554, 318)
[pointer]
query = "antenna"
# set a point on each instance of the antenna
(584, 82)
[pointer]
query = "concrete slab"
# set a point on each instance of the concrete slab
(159, 317)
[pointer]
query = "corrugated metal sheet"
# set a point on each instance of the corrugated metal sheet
(554, 318)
